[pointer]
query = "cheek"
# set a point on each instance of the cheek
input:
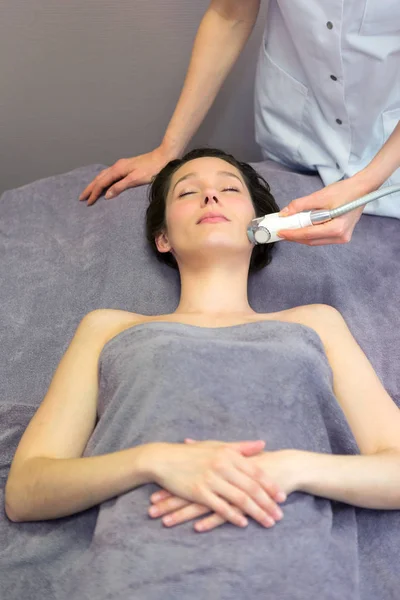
(179, 212)
(178, 218)
(243, 208)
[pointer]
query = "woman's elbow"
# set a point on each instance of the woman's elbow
(12, 510)
(10, 514)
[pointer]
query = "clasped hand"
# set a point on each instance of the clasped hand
(230, 480)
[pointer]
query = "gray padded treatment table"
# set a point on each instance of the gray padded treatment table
(61, 259)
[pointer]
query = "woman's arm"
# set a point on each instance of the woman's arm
(222, 35)
(50, 488)
(48, 479)
(368, 481)
(223, 32)
(371, 480)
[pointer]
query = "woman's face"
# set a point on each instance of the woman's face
(200, 186)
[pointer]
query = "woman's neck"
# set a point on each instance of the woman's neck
(214, 293)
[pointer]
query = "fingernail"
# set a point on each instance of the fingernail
(268, 522)
(243, 522)
(281, 497)
(110, 195)
(278, 514)
(284, 210)
(153, 511)
(167, 520)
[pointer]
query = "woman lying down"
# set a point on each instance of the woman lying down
(263, 431)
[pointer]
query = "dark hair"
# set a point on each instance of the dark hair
(263, 202)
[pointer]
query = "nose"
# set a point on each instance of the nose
(207, 199)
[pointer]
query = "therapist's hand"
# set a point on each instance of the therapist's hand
(126, 173)
(337, 231)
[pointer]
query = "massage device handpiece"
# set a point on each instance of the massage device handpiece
(263, 230)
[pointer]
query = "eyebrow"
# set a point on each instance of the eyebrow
(218, 173)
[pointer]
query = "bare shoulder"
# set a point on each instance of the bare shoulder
(105, 323)
(317, 313)
(326, 320)
(105, 316)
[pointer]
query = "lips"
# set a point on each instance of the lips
(212, 218)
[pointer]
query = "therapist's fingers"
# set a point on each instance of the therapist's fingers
(315, 201)
(337, 231)
(127, 173)
(103, 181)
(132, 180)
(321, 242)
(89, 188)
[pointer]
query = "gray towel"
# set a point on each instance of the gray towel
(267, 380)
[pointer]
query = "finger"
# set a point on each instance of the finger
(188, 513)
(104, 182)
(313, 232)
(218, 505)
(140, 177)
(310, 202)
(257, 474)
(325, 241)
(303, 234)
(319, 242)
(122, 185)
(290, 210)
(160, 495)
(272, 489)
(284, 211)
(89, 187)
(248, 448)
(286, 235)
(249, 494)
(133, 179)
(88, 190)
(243, 501)
(167, 506)
(209, 523)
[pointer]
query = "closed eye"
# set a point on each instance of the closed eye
(224, 190)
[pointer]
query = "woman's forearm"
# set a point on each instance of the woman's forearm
(371, 481)
(49, 488)
(384, 163)
(218, 44)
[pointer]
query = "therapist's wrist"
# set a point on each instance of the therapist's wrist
(370, 178)
(172, 147)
